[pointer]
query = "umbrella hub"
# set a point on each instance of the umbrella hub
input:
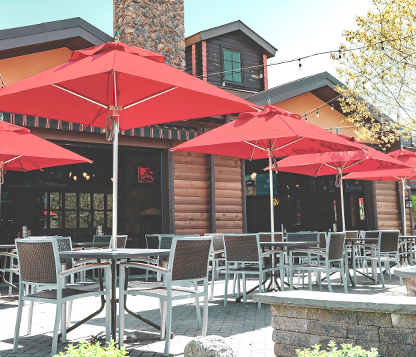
(1, 174)
(338, 178)
(115, 110)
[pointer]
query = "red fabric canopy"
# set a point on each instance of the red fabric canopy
(406, 156)
(148, 90)
(252, 133)
(22, 151)
(330, 162)
(383, 175)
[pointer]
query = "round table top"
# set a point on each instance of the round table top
(113, 254)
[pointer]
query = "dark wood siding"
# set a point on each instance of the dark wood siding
(251, 56)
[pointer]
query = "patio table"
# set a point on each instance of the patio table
(113, 256)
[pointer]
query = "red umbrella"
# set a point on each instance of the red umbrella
(118, 87)
(268, 134)
(337, 163)
(407, 157)
(22, 151)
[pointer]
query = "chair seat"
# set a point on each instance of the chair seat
(247, 268)
(52, 293)
(162, 291)
(84, 285)
(144, 285)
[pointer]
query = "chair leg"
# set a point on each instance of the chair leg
(18, 320)
(30, 318)
(344, 278)
(162, 319)
(198, 311)
(354, 268)
(205, 313)
(282, 276)
(328, 278)
(381, 273)
(244, 288)
(68, 318)
(387, 267)
(401, 279)
(168, 325)
(291, 274)
(260, 288)
(319, 281)
(226, 286)
(212, 279)
(63, 322)
(56, 328)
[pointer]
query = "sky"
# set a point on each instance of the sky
(295, 27)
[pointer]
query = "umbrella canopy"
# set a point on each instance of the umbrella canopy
(252, 134)
(117, 79)
(116, 86)
(22, 151)
(337, 163)
(268, 134)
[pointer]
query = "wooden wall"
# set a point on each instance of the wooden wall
(193, 195)
(388, 210)
(228, 195)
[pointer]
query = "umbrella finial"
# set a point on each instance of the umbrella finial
(116, 36)
(337, 130)
(1, 117)
(268, 100)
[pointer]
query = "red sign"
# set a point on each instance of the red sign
(145, 175)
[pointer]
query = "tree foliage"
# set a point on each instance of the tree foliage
(380, 76)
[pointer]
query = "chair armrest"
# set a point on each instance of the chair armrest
(271, 252)
(9, 254)
(150, 260)
(87, 248)
(365, 245)
(215, 252)
(317, 252)
(83, 267)
(145, 266)
(84, 261)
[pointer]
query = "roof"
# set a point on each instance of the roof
(73, 33)
(227, 28)
(322, 85)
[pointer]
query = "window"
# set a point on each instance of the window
(232, 66)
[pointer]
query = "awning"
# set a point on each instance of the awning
(160, 131)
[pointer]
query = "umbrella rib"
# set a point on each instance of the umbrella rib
(283, 146)
(151, 97)
(331, 166)
(355, 163)
(317, 172)
(34, 164)
(79, 95)
(12, 159)
(21, 163)
(256, 146)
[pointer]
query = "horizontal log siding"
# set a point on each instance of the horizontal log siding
(228, 199)
(388, 210)
(192, 193)
(252, 56)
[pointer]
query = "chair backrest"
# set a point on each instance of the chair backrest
(166, 239)
(267, 236)
(335, 247)
(152, 241)
(303, 237)
(352, 234)
(65, 244)
(369, 234)
(388, 241)
(121, 242)
(189, 258)
(322, 239)
(217, 240)
(103, 239)
(38, 260)
(242, 247)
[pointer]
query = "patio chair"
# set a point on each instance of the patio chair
(9, 265)
(100, 241)
(188, 264)
(266, 237)
(330, 260)
(244, 250)
(386, 250)
(217, 257)
(39, 265)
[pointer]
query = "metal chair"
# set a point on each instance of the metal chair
(100, 241)
(188, 264)
(267, 237)
(217, 257)
(244, 250)
(39, 265)
(121, 242)
(385, 251)
(9, 266)
(327, 261)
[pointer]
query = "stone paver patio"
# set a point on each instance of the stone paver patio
(246, 329)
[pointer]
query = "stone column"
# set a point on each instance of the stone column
(155, 25)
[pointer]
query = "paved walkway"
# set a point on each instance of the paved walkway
(245, 327)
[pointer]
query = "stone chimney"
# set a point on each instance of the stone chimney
(155, 25)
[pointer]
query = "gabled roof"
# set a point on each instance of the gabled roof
(227, 28)
(73, 33)
(322, 85)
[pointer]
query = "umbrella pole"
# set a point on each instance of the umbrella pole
(115, 181)
(342, 204)
(271, 196)
(404, 208)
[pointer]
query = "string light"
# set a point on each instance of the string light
(300, 65)
(317, 114)
(332, 107)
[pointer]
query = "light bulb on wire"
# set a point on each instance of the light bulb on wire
(317, 114)
(332, 107)
(300, 65)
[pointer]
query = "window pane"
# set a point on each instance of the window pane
(228, 66)
(236, 57)
(237, 77)
(227, 55)
(109, 219)
(99, 201)
(70, 200)
(228, 76)
(55, 220)
(84, 219)
(70, 219)
(236, 65)
(55, 200)
(109, 201)
(98, 218)
(84, 201)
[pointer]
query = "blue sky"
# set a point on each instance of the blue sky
(296, 28)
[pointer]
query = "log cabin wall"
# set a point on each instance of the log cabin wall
(388, 207)
(192, 193)
(228, 195)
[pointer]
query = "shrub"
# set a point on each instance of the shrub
(333, 351)
(84, 349)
